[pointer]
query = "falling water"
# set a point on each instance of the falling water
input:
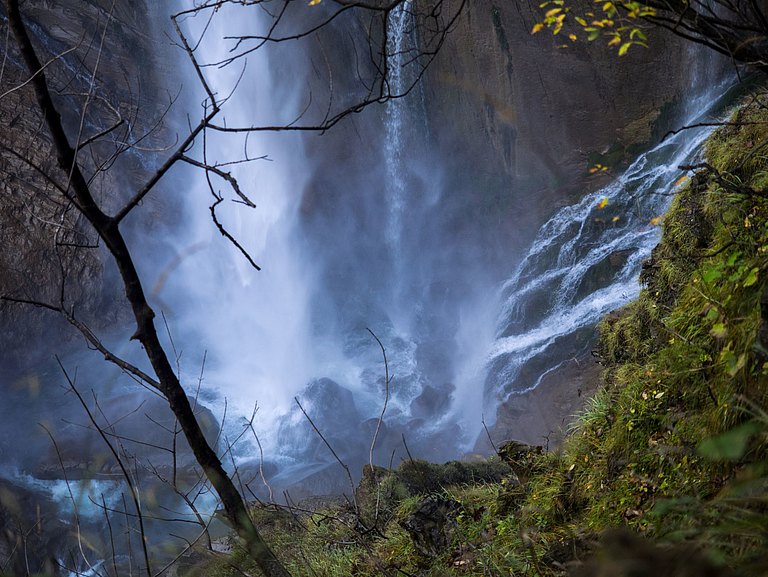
(267, 339)
(255, 325)
(398, 50)
(268, 336)
(584, 263)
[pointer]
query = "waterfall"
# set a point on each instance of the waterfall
(391, 251)
(253, 324)
(398, 50)
(297, 327)
(584, 263)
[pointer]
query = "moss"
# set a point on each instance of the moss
(748, 128)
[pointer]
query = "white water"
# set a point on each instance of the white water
(396, 117)
(264, 337)
(542, 305)
(254, 325)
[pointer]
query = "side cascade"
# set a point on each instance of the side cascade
(585, 262)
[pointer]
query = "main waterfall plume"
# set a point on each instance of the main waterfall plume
(368, 230)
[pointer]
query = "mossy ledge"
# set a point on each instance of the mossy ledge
(664, 472)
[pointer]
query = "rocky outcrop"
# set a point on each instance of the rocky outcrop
(432, 524)
(543, 414)
(139, 427)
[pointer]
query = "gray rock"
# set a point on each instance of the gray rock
(333, 411)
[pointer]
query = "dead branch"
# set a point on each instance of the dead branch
(386, 397)
(335, 456)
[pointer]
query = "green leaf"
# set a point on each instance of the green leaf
(751, 278)
(593, 34)
(624, 48)
(711, 274)
(735, 364)
(719, 330)
(732, 445)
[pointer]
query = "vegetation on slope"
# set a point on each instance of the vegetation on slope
(664, 471)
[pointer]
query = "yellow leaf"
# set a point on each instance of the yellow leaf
(681, 180)
(550, 13)
(536, 27)
(616, 219)
(656, 220)
(614, 40)
(314, 2)
(603, 203)
(624, 48)
(572, 36)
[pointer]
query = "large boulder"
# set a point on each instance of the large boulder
(139, 426)
(332, 409)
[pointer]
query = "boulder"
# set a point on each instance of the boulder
(141, 428)
(333, 411)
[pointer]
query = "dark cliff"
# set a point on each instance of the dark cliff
(47, 252)
(542, 114)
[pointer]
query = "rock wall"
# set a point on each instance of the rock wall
(48, 252)
(513, 124)
(504, 101)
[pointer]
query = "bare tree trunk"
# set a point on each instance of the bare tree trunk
(108, 229)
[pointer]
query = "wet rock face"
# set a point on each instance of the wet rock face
(47, 249)
(542, 114)
(333, 411)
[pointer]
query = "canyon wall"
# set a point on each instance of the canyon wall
(48, 253)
